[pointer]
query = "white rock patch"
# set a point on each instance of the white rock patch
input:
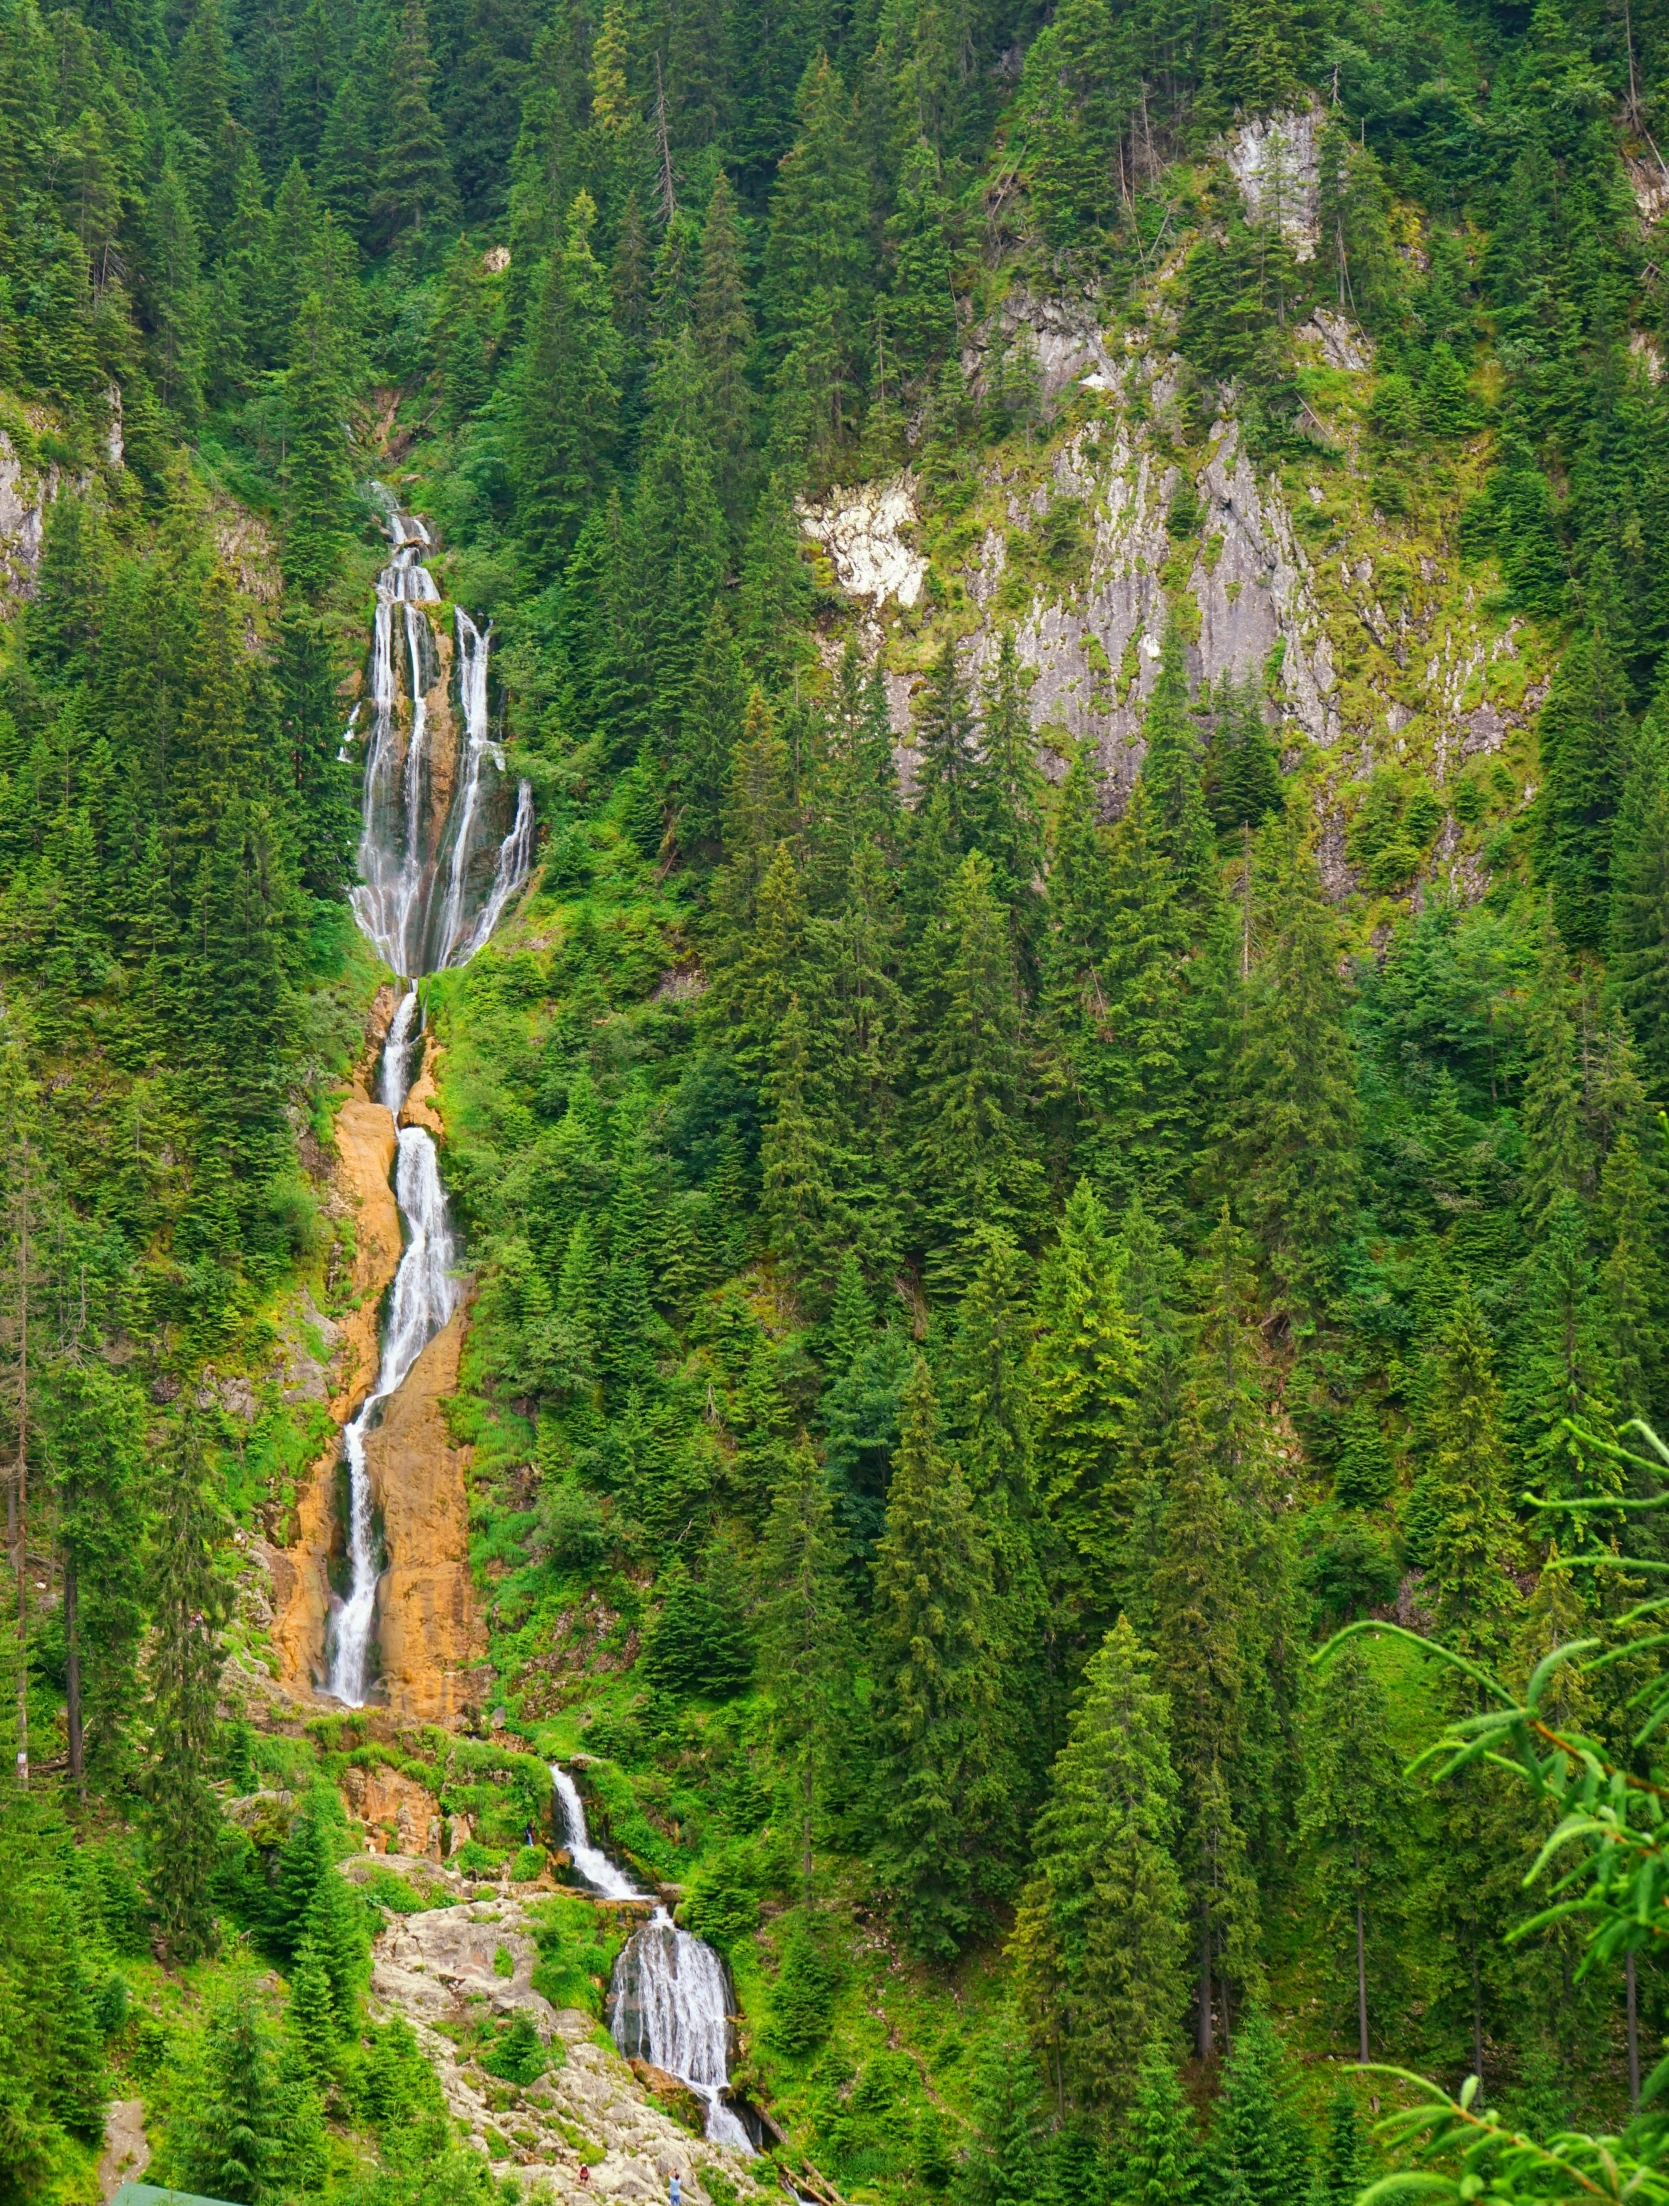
(861, 536)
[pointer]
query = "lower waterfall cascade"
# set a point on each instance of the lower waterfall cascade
(432, 889)
(669, 2001)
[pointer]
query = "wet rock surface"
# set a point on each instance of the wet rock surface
(443, 1971)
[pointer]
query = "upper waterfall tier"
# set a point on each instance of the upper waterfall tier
(446, 839)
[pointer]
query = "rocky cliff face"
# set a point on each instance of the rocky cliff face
(300, 1573)
(442, 1970)
(431, 1637)
(1369, 642)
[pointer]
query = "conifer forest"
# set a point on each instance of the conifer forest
(834, 1101)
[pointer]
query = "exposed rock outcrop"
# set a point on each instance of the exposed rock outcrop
(442, 1970)
(300, 1573)
(431, 1637)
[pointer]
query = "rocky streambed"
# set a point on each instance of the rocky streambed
(451, 1967)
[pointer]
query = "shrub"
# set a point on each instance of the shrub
(519, 2057)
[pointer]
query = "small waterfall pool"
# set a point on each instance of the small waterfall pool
(669, 2002)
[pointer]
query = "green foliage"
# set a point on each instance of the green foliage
(519, 2055)
(1098, 1939)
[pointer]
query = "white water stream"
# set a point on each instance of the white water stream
(669, 2003)
(429, 896)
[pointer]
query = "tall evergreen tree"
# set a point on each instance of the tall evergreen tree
(415, 195)
(1098, 1942)
(941, 1788)
(1356, 1817)
(188, 1607)
(564, 395)
(803, 1636)
(974, 1156)
(1288, 1143)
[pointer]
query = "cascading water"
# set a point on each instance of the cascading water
(669, 2003)
(426, 898)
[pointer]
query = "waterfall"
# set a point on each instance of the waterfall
(427, 899)
(669, 2003)
(424, 1297)
(591, 1862)
(402, 868)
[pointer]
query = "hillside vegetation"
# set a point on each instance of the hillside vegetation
(1074, 1103)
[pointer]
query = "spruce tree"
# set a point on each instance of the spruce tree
(1161, 2139)
(94, 1443)
(318, 473)
(1639, 919)
(1289, 1146)
(1584, 735)
(564, 396)
(188, 1607)
(973, 1148)
(946, 768)
(800, 1202)
(1355, 1817)
(940, 1789)
(1005, 2163)
(723, 326)
(415, 194)
(311, 2015)
(1006, 811)
(803, 1634)
(1342, 2172)
(1082, 1382)
(1465, 1487)
(1098, 1943)
(1258, 2149)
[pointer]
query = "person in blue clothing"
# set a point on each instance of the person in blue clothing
(673, 2193)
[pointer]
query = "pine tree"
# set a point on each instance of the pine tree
(1465, 1487)
(188, 1607)
(318, 474)
(973, 1146)
(1289, 1150)
(946, 768)
(415, 196)
(1258, 2151)
(1584, 737)
(723, 325)
(1355, 1816)
(1639, 937)
(940, 1787)
(564, 396)
(1082, 1382)
(1161, 2139)
(311, 2014)
(1098, 1941)
(803, 1633)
